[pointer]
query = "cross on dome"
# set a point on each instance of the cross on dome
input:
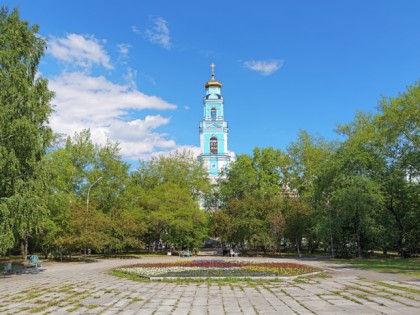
(213, 81)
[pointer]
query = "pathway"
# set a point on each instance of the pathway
(87, 288)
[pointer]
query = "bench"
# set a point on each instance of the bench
(185, 253)
(7, 268)
(34, 261)
(231, 253)
(31, 266)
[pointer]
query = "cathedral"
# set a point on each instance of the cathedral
(214, 153)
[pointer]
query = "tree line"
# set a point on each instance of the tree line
(348, 198)
(63, 195)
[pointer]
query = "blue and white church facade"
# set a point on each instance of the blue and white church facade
(214, 155)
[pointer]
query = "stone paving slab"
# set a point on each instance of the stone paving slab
(87, 288)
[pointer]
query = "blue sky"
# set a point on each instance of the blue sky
(134, 71)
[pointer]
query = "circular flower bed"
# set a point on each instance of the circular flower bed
(217, 269)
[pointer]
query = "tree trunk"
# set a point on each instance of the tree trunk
(400, 228)
(298, 249)
(359, 246)
(24, 245)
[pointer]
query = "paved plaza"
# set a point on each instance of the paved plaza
(87, 288)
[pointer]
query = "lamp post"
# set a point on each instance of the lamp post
(87, 208)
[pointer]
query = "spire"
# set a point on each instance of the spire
(213, 81)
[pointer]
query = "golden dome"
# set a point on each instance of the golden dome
(213, 81)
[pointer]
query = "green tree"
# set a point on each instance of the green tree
(260, 172)
(390, 141)
(87, 198)
(180, 168)
(356, 201)
(397, 138)
(349, 194)
(296, 213)
(171, 216)
(250, 200)
(305, 156)
(24, 134)
(170, 187)
(68, 167)
(241, 179)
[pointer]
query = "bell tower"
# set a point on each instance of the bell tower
(213, 130)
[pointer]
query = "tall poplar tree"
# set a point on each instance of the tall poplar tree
(24, 134)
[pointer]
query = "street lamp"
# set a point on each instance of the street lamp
(87, 208)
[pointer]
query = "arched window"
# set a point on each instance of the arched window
(213, 145)
(213, 113)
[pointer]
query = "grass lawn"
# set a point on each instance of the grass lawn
(406, 266)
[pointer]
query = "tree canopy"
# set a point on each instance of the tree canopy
(24, 134)
(345, 197)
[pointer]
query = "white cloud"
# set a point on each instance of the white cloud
(264, 67)
(124, 49)
(84, 101)
(135, 29)
(83, 51)
(138, 139)
(130, 78)
(159, 33)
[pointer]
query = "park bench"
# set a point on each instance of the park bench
(231, 253)
(31, 266)
(7, 268)
(185, 253)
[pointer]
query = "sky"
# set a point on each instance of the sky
(134, 71)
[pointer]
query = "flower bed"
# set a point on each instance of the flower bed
(217, 269)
